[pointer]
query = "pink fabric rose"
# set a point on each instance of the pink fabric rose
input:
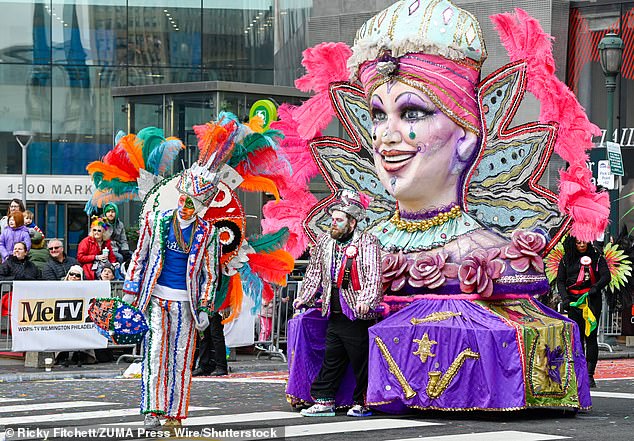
(431, 270)
(395, 268)
(479, 270)
(524, 251)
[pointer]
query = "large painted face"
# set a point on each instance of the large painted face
(419, 152)
(186, 208)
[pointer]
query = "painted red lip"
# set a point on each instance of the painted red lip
(394, 160)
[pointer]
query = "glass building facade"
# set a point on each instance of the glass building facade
(60, 60)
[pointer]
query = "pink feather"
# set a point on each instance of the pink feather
(325, 63)
(290, 212)
(295, 148)
(524, 39)
(313, 115)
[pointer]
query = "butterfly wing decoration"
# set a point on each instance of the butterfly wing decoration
(348, 164)
(502, 189)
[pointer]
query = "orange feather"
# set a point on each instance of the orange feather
(272, 267)
(234, 298)
(260, 183)
(110, 172)
(134, 148)
(256, 123)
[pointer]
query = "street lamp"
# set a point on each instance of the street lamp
(611, 57)
(24, 138)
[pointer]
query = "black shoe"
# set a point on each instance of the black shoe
(593, 383)
(200, 372)
(65, 363)
(219, 373)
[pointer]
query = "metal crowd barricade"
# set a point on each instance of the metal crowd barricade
(5, 316)
(282, 313)
(610, 325)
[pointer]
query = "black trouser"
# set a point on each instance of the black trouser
(589, 343)
(346, 341)
(212, 353)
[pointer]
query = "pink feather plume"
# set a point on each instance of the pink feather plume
(294, 147)
(325, 63)
(524, 39)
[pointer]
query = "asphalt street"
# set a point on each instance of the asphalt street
(255, 404)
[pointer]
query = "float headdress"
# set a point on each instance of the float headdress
(444, 54)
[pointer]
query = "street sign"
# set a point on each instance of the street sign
(604, 177)
(614, 156)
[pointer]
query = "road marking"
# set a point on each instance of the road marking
(361, 425)
(506, 435)
(73, 416)
(611, 395)
(230, 418)
(49, 406)
(244, 380)
(13, 400)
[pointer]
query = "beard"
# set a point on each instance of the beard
(340, 233)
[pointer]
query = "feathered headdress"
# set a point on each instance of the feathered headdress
(122, 174)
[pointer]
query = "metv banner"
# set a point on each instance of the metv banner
(53, 316)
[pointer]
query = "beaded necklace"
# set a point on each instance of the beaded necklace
(425, 224)
(178, 234)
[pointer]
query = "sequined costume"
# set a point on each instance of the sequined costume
(346, 270)
(172, 312)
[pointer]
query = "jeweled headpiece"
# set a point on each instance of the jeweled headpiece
(431, 45)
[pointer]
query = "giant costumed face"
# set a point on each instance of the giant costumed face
(419, 152)
(419, 64)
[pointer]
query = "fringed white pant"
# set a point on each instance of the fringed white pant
(168, 355)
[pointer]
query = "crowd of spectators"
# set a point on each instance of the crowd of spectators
(26, 254)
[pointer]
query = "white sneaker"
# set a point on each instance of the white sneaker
(151, 421)
(319, 410)
(359, 411)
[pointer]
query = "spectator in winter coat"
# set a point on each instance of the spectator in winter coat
(94, 249)
(116, 230)
(38, 254)
(58, 262)
(18, 266)
(15, 232)
(30, 224)
(14, 205)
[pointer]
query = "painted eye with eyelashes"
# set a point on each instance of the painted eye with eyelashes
(378, 115)
(415, 113)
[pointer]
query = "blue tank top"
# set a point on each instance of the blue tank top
(173, 274)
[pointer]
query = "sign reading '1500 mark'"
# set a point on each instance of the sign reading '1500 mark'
(50, 311)
(47, 188)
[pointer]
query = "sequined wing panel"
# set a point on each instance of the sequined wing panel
(502, 187)
(348, 164)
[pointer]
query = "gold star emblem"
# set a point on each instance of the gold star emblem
(424, 347)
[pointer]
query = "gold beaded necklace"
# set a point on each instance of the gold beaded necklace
(425, 224)
(178, 234)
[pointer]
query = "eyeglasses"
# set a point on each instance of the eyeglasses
(96, 230)
(74, 275)
(54, 248)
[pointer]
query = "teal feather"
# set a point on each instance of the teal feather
(163, 156)
(252, 286)
(152, 137)
(221, 292)
(120, 134)
(267, 243)
(250, 144)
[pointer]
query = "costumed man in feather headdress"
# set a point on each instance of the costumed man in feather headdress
(346, 265)
(173, 278)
